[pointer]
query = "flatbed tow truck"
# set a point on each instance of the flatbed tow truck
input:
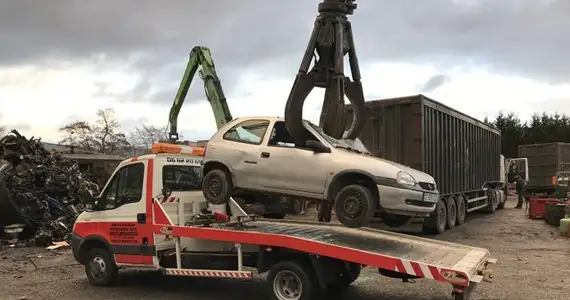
(151, 214)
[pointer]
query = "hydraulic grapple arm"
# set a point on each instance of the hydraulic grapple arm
(331, 39)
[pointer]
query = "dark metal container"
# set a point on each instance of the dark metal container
(545, 161)
(460, 152)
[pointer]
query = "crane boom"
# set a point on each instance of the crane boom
(200, 57)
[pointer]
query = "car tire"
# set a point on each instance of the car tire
(461, 206)
(293, 280)
(217, 187)
(325, 212)
(451, 207)
(437, 221)
(395, 221)
(101, 269)
(354, 206)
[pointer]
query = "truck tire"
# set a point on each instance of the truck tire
(395, 221)
(461, 206)
(291, 280)
(436, 223)
(101, 269)
(354, 206)
(217, 187)
(325, 212)
(491, 202)
(502, 199)
(451, 208)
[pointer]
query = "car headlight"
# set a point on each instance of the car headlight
(405, 178)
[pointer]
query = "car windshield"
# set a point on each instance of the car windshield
(351, 145)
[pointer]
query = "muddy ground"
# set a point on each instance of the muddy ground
(533, 263)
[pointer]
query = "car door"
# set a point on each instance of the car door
(242, 150)
(288, 168)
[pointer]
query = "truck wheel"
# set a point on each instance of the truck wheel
(451, 208)
(325, 212)
(217, 187)
(289, 280)
(395, 221)
(502, 199)
(461, 206)
(101, 270)
(354, 206)
(435, 224)
(491, 202)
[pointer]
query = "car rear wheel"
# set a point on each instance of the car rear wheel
(354, 206)
(217, 187)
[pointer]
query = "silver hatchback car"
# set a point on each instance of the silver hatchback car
(256, 155)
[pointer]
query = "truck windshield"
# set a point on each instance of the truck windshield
(181, 178)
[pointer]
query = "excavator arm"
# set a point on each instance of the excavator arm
(200, 57)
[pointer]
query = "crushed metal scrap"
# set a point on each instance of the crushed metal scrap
(38, 189)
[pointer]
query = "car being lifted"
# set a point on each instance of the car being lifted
(256, 155)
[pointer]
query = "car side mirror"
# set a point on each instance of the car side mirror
(166, 192)
(317, 146)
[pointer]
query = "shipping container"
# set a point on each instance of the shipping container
(462, 153)
(545, 161)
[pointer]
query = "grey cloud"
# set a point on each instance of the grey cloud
(154, 37)
(433, 83)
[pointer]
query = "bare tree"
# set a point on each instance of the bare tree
(145, 135)
(107, 135)
(79, 134)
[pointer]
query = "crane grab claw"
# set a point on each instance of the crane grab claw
(330, 41)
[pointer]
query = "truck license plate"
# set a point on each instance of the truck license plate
(431, 197)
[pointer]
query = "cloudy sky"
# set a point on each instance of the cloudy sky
(61, 60)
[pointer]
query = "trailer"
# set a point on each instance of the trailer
(161, 222)
(463, 154)
(546, 164)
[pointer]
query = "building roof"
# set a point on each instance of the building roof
(92, 156)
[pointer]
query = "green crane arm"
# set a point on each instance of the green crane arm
(200, 57)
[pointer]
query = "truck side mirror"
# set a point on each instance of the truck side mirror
(317, 146)
(166, 192)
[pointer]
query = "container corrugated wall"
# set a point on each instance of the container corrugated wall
(544, 160)
(460, 152)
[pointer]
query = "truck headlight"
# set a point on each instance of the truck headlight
(405, 178)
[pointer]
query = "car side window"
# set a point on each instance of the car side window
(125, 187)
(249, 132)
(280, 137)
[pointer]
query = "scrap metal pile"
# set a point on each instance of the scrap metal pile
(38, 189)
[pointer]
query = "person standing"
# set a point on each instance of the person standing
(520, 187)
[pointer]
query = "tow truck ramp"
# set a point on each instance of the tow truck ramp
(394, 254)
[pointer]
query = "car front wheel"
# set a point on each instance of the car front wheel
(354, 206)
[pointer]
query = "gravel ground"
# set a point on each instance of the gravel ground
(534, 263)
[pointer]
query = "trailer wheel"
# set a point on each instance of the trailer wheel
(435, 223)
(289, 280)
(217, 187)
(101, 270)
(325, 212)
(451, 208)
(461, 206)
(354, 206)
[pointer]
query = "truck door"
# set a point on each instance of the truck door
(517, 166)
(122, 205)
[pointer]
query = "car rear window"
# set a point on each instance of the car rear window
(181, 178)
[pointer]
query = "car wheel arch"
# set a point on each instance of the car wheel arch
(90, 242)
(218, 164)
(351, 176)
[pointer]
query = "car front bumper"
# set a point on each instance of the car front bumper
(406, 201)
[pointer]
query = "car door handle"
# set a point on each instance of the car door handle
(265, 154)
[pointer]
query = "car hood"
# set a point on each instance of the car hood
(368, 161)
